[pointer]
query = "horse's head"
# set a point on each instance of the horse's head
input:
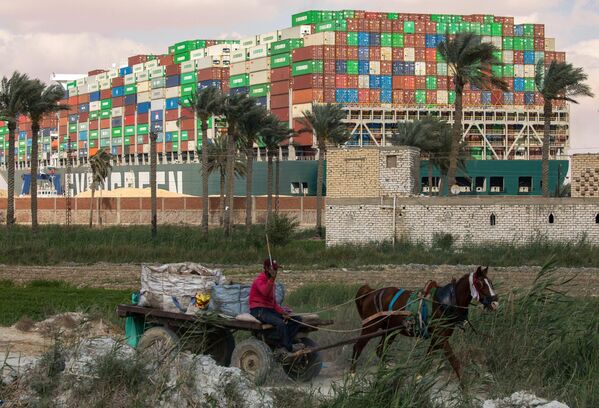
(481, 289)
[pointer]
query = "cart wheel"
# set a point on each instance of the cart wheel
(305, 367)
(159, 342)
(219, 345)
(254, 358)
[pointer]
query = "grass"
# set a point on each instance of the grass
(40, 299)
(55, 245)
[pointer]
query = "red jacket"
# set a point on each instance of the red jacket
(262, 294)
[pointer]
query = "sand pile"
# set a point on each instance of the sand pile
(132, 192)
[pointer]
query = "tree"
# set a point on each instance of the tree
(216, 152)
(272, 135)
(41, 101)
(325, 121)
(13, 92)
(101, 165)
(235, 107)
(469, 61)
(557, 81)
(250, 125)
(205, 104)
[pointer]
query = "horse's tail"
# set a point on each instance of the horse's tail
(363, 291)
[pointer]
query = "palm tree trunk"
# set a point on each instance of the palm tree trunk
(319, 181)
(548, 111)
(35, 128)
(249, 154)
(457, 136)
(205, 195)
(230, 180)
(430, 177)
(277, 183)
(154, 203)
(221, 202)
(91, 206)
(10, 165)
(269, 188)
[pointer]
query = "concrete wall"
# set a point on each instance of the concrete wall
(585, 175)
(468, 220)
(130, 211)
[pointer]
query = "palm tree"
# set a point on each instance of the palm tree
(557, 81)
(216, 152)
(272, 135)
(101, 165)
(325, 121)
(469, 62)
(41, 101)
(235, 107)
(13, 92)
(206, 103)
(250, 125)
(153, 170)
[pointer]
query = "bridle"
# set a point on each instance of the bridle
(485, 300)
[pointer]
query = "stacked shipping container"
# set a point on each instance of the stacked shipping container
(347, 57)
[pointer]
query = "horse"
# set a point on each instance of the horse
(383, 309)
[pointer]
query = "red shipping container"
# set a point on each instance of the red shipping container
(370, 15)
(442, 82)
(302, 138)
(409, 97)
(73, 100)
(280, 74)
(397, 97)
(191, 135)
(93, 125)
(397, 26)
(83, 98)
(431, 27)
(104, 123)
(210, 73)
(340, 38)
(420, 82)
(507, 29)
(518, 98)
(173, 69)
(329, 52)
(137, 59)
(329, 67)
(166, 59)
(130, 109)
(96, 72)
(329, 96)
(397, 54)
(375, 53)
(539, 30)
(83, 117)
(186, 124)
(519, 57)
(420, 54)
(341, 81)
(187, 113)
(104, 94)
(431, 97)
(307, 81)
(352, 53)
(279, 101)
(280, 88)
(329, 80)
(420, 27)
(313, 52)
(560, 56)
(374, 26)
(549, 56)
(374, 95)
(359, 14)
(342, 51)
(431, 68)
(386, 68)
(281, 113)
(118, 81)
(398, 82)
(118, 102)
(496, 97)
(409, 82)
(352, 24)
(430, 54)
(130, 120)
(539, 44)
(409, 40)
(143, 118)
(363, 96)
(171, 114)
(420, 40)
(386, 26)
(353, 81)
(307, 96)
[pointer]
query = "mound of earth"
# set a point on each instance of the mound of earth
(522, 399)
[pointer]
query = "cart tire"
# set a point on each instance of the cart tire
(254, 358)
(159, 341)
(307, 366)
(219, 345)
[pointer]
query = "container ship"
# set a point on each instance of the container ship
(383, 68)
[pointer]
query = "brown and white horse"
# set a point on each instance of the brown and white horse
(450, 308)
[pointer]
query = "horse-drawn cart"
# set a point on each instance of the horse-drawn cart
(165, 331)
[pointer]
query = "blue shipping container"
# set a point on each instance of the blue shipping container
(261, 101)
(341, 95)
(83, 135)
(519, 30)
(409, 68)
(374, 81)
(84, 107)
(143, 107)
(363, 39)
(209, 83)
(172, 81)
(94, 96)
(363, 67)
(341, 67)
(352, 95)
(529, 98)
(118, 121)
(130, 99)
(519, 84)
(118, 91)
(125, 71)
(363, 53)
(375, 39)
(240, 90)
(431, 41)
(398, 68)
(486, 97)
(172, 103)
(508, 98)
(386, 96)
(156, 116)
(73, 118)
(529, 57)
(386, 82)
(168, 137)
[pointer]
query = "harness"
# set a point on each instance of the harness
(445, 297)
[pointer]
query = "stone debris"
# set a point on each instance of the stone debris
(522, 399)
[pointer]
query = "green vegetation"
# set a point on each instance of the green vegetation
(55, 245)
(40, 299)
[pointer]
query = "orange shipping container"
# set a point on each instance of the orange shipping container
(307, 96)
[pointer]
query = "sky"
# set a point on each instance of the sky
(66, 36)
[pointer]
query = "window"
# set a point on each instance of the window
(496, 184)
(295, 188)
(597, 219)
(391, 161)
(493, 220)
(464, 183)
(426, 188)
(304, 188)
(480, 184)
(524, 184)
(551, 218)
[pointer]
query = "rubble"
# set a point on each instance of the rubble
(522, 399)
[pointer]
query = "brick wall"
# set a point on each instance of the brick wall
(372, 171)
(468, 220)
(130, 211)
(585, 175)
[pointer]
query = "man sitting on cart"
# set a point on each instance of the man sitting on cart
(264, 306)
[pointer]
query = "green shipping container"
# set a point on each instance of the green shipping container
(489, 19)
(475, 28)
(442, 28)
(307, 67)
(259, 90)
(352, 39)
(285, 46)
(179, 58)
(189, 78)
(386, 40)
(117, 132)
(104, 142)
(237, 81)
(307, 17)
(333, 25)
(189, 89)
(392, 16)
(130, 89)
(105, 114)
(72, 128)
(280, 60)
(496, 29)
(106, 104)
(397, 40)
(529, 84)
(185, 137)
(518, 44)
(529, 30)
(486, 29)
(93, 134)
(497, 71)
(175, 136)
(529, 44)
(185, 46)
(498, 55)
(453, 28)
(508, 71)
(94, 115)
(464, 27)
(431, 83)
(130, 130)
(408, 27)
(127, 141)
(451, 97)
(508, 43)
(421, 97)
(143, 129)
(352, 67)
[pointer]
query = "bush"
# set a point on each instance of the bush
(442, 241)
(281, 229)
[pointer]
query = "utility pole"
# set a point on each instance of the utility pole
(68, 177)
(153, 165)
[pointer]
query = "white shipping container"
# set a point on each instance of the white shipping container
(261, 77)
(529, 71)
(497, 42)
(157, 104)
(508, 57)
(195, 54)
(268, 38)
(519, 71)
(158, 83)
(259, 51)
(239, 55)
(130, 79)
(259, 64)
(83, 126)
(146, 148)
(420, 68)
(151, 64)
(442, 97)
(240, 68)
(94, 106)
(171, 126)
(102, 76)
(117, 111)
(92, 80)
(143, 86)
(295, 32)
(104, 132)
(386, 54)
(93, 87)
(138, 68)
(81, 81)
(208, 62)
(297, 111)
(486, 39)
(82, 89)
(324, 38)
(191, 145)
(105, 84)
(374, 68)
(188, 66)
(549, 44)
(218, 49)
(159, 93)
(364, 81)
(113, 73)
(249, 42)
(157, 72)
(143, 96)
(142, 76)
(173, 92)
(441, 68)
(409, 54)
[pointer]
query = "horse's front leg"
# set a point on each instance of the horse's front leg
(455, 363)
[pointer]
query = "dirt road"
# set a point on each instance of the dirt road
(127, 276)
